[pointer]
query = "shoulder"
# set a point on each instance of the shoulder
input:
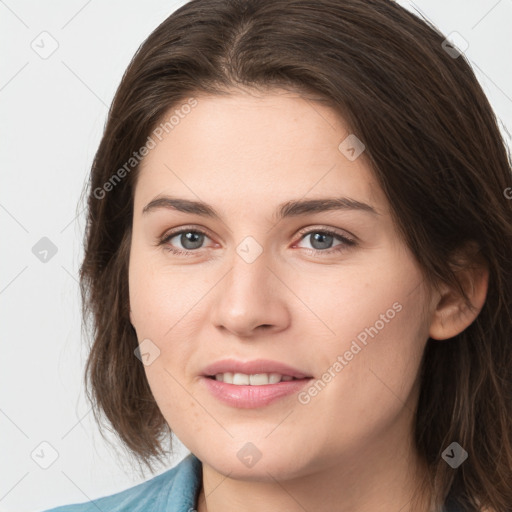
(172, 491)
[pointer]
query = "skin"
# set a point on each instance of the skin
(350, 448)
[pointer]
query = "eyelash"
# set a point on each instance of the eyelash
(347, 242)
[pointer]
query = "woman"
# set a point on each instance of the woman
(298, 260)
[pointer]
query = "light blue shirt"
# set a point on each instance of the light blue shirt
(176, 490)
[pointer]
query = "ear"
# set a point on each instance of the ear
(451, 312)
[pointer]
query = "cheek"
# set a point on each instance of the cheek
(379, 300)
(371, 368)
(377, 329)
(158, 304)
(162, 303)
(158, 295)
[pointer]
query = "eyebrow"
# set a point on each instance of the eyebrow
(294, 208)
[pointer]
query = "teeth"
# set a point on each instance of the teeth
(257, 379)
(240, 379)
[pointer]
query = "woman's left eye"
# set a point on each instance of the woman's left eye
(320, 239)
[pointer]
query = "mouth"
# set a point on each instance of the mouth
(257, 372)
(242, 395)
(252, 384)
(255, 379)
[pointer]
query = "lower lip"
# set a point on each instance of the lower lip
(249, 397)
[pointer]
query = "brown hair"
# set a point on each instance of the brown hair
(433, 143)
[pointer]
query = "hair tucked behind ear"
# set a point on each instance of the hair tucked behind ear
(433, 143)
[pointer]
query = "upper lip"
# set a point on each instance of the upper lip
(252, 367)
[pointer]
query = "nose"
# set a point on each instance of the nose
(251, 299)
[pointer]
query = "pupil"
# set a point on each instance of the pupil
(191, 240)
(321, 238)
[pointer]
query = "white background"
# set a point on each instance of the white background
(53, 111)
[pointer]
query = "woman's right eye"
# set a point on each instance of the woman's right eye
(190, 239)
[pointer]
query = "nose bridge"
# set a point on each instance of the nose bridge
(248, 281)
(248, 296)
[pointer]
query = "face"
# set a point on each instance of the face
(330, 292)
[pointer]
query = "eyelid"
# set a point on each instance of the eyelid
(190, 227)
(346, 235)
(304, 231)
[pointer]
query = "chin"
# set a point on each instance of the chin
(250, 464)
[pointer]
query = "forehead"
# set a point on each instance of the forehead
(254, 148)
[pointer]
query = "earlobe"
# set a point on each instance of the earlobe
(452, 314)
